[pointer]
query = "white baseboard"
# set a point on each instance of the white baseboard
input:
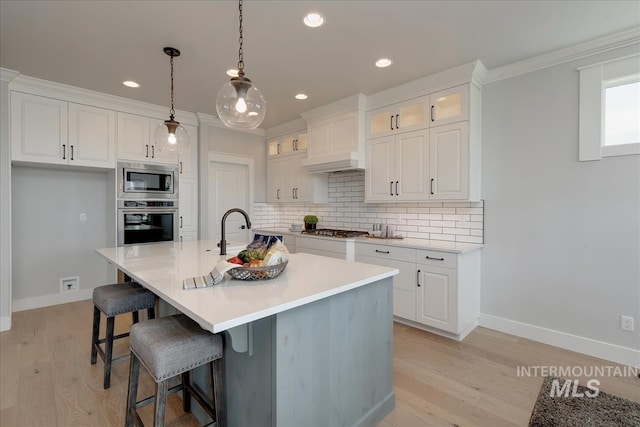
(602, 350)
(53, 299)
(5, 323)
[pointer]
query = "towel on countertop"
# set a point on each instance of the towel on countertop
(212, 278)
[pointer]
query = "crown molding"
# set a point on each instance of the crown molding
(592, 47)
(204, 118)
(78, 95)
(6, 75)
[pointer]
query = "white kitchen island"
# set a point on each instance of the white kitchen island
(312, 347)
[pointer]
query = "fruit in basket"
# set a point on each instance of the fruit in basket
(249, 255)
(235, 260)
(256, 263)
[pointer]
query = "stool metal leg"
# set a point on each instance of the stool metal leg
(160, 403)
(219, 393)
(108, 353)
(186, 394)
(135, 316)
(94, 336)
(132, 394)
(151, 313)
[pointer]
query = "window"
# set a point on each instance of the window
(610, 109)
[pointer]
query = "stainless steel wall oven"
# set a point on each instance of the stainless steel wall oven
(147, 221)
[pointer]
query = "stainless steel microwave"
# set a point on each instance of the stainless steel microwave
(147, 181)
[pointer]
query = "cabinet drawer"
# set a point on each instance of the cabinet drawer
(321, 245)
(439, 259)
(386, 252)
(407, 277)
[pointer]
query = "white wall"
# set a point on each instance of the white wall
(50, 241)
(562, 237)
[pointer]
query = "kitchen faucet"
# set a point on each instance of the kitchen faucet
(223, 243)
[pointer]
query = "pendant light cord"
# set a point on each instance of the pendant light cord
(172, 112)
(241, 40)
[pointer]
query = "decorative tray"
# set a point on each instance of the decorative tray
(257, 273)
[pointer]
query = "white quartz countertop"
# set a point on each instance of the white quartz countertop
(161, 267)
(436, 245)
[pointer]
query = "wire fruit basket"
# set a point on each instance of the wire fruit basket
(257, 273)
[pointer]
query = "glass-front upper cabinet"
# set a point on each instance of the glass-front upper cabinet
(400, 117)
(449, 105)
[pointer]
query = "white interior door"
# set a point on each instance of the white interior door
(229, 187)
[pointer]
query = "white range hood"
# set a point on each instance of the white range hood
(334, 162)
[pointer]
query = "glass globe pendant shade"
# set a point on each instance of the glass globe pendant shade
(171, 137)
(240, 104)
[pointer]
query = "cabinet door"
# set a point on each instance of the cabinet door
(92, 136)
(273, 148)
(157, 156)
(380, 171)
(345, 133)
(188, 159)
(412, 165)
(302, 142)
(412, 115)
(188, 205)
(38, 129)
(437, 298)
(133, 137)
(380, 122)
(449, 161)
(450, 105)
(290, 167)
(274, 180)
(320, 138)
(287, 145)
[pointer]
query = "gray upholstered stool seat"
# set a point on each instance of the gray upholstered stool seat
(171, 346)
(113, 300)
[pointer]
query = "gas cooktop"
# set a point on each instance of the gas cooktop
(335, 233)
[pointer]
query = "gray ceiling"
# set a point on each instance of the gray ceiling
(98, 44)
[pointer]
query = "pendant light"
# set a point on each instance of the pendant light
(170, 136)
(239, 103)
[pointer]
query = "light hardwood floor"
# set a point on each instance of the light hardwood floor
(46, 378)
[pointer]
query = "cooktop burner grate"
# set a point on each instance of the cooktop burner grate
(335, 233)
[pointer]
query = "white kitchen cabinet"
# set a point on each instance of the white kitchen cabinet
(188, 204)
(292, 144)
(136, 140)
(289, 182)
(398, 167)
(46, 130)
(335, 135)
(188, 159)
(449, 162)
(188, 236)
(401, 117)
(435, 290)
(404, 284)
(449, 105)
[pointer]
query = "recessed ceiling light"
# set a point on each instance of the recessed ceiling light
(314, 20)
(383, 62)
(301, 96)
(130, 83)
(232, 72)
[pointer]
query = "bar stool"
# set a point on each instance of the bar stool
(168, 347)
(113, 300)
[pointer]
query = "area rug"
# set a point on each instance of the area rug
(601, 410)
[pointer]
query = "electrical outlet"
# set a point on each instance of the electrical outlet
(69, 284)
(83, 217)
(626, 323)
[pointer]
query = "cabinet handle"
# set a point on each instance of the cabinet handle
(180, 239)
(180, 167)
(397, 188)
(433, 117)
(180, 221)
(64, 152)
(296, 189)
(295, 145)
(278, 149)
(435, 259)
(391, 188)
(147, 147)
(71, 152)
(397, 117)
(391, 122)
(382, 252)
(153, 151)
(418, 279)
(293, 193)
(432, 185)
(278, 194)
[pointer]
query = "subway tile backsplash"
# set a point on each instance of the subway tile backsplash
(452, 221)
